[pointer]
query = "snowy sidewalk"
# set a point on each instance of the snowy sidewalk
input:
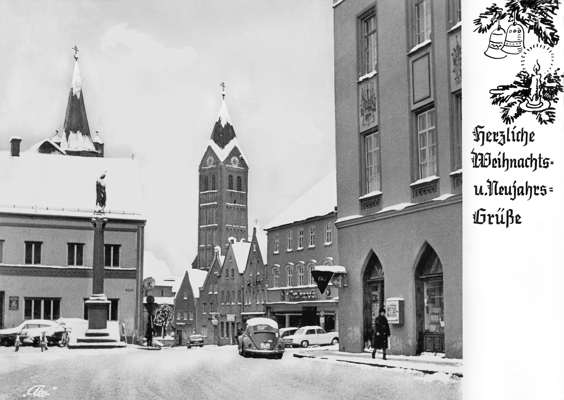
(426, 363)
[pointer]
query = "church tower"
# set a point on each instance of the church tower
(223, 191)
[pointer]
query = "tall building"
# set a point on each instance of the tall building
(46, 233)
(223, 188)
(299, 239)
(399, 177)
(74, 139)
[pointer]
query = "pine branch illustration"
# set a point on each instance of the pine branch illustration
(492, 15)
(551, 86)
(547, 116)
(509, 97)
(536, 16)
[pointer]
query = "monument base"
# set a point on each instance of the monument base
(98, 338)
(98, 307)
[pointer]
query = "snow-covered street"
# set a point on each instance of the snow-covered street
(206, 373)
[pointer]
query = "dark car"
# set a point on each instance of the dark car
(195, 340)
(261, 338)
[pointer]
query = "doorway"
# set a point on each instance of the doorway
(429, 303)
(373, 296)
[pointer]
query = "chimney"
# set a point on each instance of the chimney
(15, 146)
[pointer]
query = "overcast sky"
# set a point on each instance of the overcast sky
(151, 72)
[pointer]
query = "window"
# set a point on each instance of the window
(222, 324)
(308, 274)
(275, 277)
(328, 233)
(239, 296)
(190, 315)
(312, 236)
(276, 245)
(33, 252)
(368, 45)
(371, 162)
(301, 281)
(227, 297)
(427, 143)
(239, 184)
(232, 273)
(204, 306)
(230, 182)
(206, 183)
(289, 247)
(232, 297)
(422, 21)
(454, 12)
(111, 255)
(74, 253)
(457, 131)
(211, 307)
(222, 297)
(42, 308)
(1, 251)
(213, 186)
(289, 275)
(301, 239)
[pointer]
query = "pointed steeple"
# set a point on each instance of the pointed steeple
(76, 129)
(223, 131)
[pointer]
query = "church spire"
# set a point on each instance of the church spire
(223, 131)
(76, 129)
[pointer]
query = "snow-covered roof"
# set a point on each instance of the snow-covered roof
(241, 252)
(56, 185)
(197, 279)
(262, 321)
(223, 153)
(320, 200)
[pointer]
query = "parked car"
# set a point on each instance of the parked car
(261, 338)
(285, 332)
(30, 331)
(308, 335)
(195, 340)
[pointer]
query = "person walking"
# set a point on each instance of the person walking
(381, 333)
(43, 342)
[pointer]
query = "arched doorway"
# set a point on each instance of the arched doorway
(429, 302)
(373, 294)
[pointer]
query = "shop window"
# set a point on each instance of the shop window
(42, 308)
(75, 253)
(33, 252)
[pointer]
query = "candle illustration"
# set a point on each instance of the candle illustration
(534, 95)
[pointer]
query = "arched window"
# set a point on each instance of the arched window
(230, 182)
(213, 187)
(289, 273)
(239, 184)
(232, 273)
(275, 277)
(301, 281)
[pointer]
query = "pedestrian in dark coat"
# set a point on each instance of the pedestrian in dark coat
(380, 334)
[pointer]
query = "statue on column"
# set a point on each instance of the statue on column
(101, 193)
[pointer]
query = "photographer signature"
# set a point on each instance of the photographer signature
(38, 391)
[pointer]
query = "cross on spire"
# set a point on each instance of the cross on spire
(222, 84)
(75, 48)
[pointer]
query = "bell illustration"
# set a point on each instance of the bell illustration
(514, 41)
(497, 40)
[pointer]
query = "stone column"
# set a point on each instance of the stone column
(98, 304)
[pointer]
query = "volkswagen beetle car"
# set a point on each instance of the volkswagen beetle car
(261, 338)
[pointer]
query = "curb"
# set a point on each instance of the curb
(376, 364)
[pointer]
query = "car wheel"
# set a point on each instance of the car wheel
(335, 341)
(305, 343)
